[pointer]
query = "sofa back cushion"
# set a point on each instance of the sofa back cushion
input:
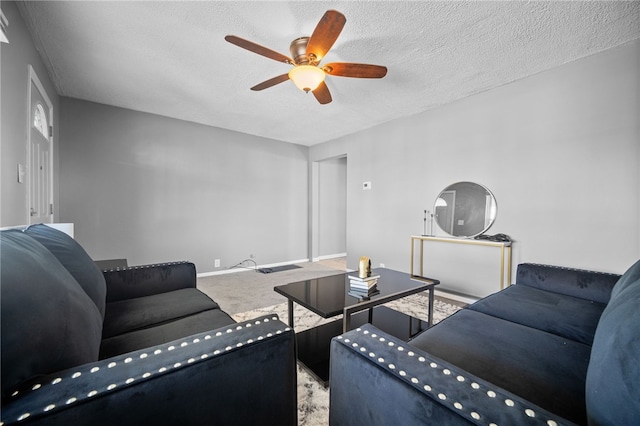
(48, 322)
(589, 285)
(75, 259)
(613, 376)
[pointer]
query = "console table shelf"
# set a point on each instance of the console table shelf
(504, 251)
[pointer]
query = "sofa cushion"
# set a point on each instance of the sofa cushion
(543, 368)
(588, 285)
(75, 259)
(613, 378)
(562, 315)
(142, 312)
(48, 321)
(146, 337)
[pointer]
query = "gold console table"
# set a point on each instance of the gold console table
(505, 251)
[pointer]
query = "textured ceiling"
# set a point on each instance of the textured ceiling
(170, 58)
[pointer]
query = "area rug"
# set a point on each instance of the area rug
(313, 398)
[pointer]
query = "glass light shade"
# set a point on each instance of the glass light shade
(306, 77)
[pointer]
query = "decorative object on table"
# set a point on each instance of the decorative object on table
(364, 268)
(498, 238)
(363, 294)
(363, 288)
(363, 283)
(424, 224)
(427, 231)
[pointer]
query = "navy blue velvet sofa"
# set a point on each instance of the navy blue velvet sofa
(560, 347)
(134, 346)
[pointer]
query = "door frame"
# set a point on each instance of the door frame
(33, 78)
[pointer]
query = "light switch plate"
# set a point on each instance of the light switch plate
(20, 173)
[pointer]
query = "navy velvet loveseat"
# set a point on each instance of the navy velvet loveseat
(134, 346)
(560, 347)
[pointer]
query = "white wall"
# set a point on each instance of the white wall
(15, 59)
(151, 189)
(559, 150)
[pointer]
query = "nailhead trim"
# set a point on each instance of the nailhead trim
(153, 265)
(114, 365)
(416, 381)
(565, 268)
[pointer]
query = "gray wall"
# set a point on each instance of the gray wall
(151, 189)
(15, 59)
(559, 150)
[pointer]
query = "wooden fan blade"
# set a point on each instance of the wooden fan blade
(260, 50)
(271, 82)
(322, 93)
(325, 34)
(348, 69)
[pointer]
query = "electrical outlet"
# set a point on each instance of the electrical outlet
(366, 186)
(382, 265)
(252, 256)
(216, 263)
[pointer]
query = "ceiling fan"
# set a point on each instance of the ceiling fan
(307, 52)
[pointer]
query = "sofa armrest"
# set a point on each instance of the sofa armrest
(237, 375)
(377, 379)
(140, 281)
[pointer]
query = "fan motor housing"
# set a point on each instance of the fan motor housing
(298, 51)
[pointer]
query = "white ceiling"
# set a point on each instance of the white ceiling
(170, 58)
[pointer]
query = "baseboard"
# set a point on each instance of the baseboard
(456, 296)
(239, 269)
(329, 256)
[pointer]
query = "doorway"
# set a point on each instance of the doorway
(329, 209)
(39, 153)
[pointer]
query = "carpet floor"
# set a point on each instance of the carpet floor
(248, 289)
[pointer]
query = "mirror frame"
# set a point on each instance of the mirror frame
(450, 188)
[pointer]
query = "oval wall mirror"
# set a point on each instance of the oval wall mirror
(465, 209)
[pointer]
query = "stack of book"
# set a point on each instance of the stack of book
(363, 288)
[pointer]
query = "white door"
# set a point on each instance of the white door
(40, 170)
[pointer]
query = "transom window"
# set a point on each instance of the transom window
(40, 120)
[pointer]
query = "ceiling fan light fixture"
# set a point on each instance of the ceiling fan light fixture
(306, 77)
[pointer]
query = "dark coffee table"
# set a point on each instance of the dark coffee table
(329, 297)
